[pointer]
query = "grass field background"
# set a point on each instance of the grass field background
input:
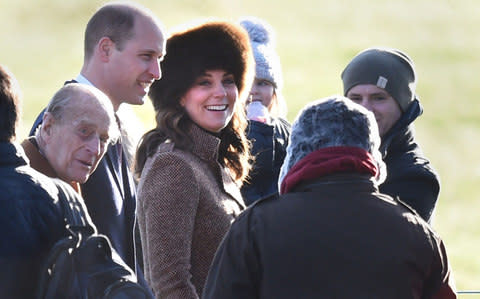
(42, 43)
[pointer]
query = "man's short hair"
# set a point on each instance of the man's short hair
(10, 105)
(115, 21)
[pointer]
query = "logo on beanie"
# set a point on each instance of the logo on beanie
(382, 82)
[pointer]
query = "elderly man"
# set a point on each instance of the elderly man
(77, 126)
(331, 234)
(31, 218)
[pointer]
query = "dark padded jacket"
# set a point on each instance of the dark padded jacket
(331, 237)
(410, 176)
(269, 145)
(30, 219)
(110, 196)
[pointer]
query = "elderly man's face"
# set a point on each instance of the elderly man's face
(76, 144)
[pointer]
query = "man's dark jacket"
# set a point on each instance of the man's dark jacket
(410, 176)
(30, 219)
(332, 237)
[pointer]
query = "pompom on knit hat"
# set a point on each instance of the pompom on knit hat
(387, 68)
(198, 47)
(331, 122)
(267, 61)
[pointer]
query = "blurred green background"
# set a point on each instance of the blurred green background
(42, 43)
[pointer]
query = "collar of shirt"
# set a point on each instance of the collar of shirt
(81, 79)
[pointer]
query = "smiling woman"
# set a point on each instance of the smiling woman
(192, 164)
(211, 100)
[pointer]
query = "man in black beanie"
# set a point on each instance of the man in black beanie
(383, 80)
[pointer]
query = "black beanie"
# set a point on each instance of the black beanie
(389, 69)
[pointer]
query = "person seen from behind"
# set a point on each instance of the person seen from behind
(331, 233)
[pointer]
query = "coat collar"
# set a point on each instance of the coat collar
(349, 182)
(206, 146)
(401, 132)
(327, 161)
(12, 154)
(40, 163)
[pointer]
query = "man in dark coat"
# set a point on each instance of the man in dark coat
(331, 234)
(384, 81)
(124, 44)
(31, 218)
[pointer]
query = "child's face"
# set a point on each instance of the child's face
(262, 91)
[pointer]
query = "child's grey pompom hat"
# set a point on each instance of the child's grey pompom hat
(262, 39)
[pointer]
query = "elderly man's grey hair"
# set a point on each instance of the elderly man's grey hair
(329, 122)
(58, 105)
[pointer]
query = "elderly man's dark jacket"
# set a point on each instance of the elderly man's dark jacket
(31, 222)
(110, 196)
(334, 237)
(410, 176)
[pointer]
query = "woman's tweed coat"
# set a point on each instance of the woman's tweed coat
(186, 203)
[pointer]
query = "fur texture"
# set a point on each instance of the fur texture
(211, 45)
(334, 121)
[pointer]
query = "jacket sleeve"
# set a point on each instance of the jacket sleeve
(417, 188)
(235, 269)
(441, 283)
(31, 223)
(169, 195)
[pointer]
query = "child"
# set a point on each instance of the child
(267, 130)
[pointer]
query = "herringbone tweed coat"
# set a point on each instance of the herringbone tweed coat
(186, 203)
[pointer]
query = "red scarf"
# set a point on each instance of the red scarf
(328, 161)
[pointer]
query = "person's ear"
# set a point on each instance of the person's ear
(105, 48)
(47, 123)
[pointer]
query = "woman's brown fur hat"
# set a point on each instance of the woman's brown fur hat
(208, 46)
